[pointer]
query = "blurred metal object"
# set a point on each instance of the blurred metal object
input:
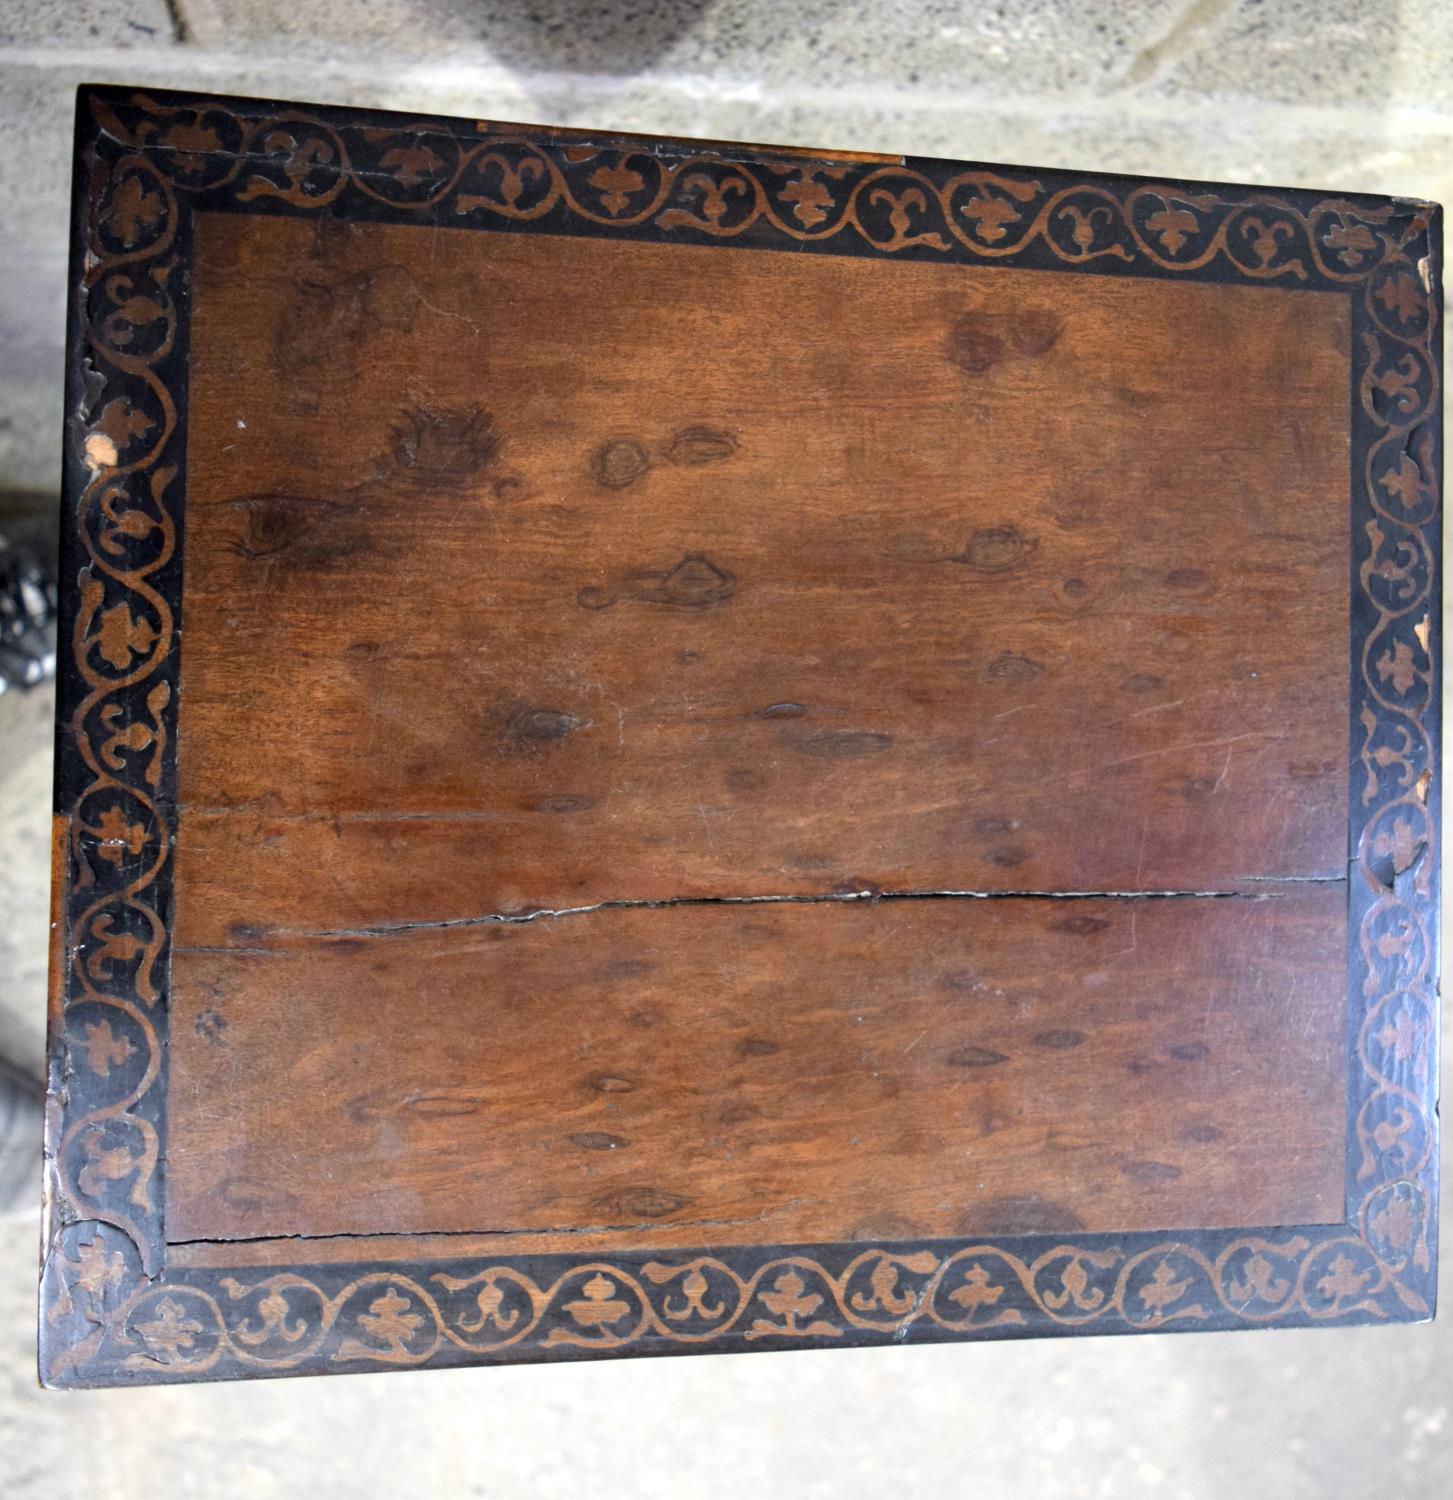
(27, 601)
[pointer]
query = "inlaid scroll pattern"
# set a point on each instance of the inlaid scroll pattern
(1395, 818)
(119, 694)
(115, 1310)
(497, 175)
(190, 1325)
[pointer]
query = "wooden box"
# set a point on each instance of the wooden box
(679, 747)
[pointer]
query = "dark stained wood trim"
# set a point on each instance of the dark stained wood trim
(116, 1311)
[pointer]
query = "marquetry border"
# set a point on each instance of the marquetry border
(113, 1309)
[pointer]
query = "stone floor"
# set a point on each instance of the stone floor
(1348, 94)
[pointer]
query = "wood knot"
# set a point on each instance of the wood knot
(995, 549)
(443, 448)
(695, 582)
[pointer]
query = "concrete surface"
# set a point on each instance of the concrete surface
(1346, 94)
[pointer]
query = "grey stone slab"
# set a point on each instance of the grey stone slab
(1045, 45)
(85, 23)
(1379, 54)
(36, 112)
(32, 336)
(26, 734)
(1313, 52)
(30, 421)
(1249, 146)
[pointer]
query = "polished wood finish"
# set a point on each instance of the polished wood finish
(713, 617)
(763, 763)
(773, 1074)
(849, 595)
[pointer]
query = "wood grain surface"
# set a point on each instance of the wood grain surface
(542, 573)
(667, 747)
(772, 1074)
